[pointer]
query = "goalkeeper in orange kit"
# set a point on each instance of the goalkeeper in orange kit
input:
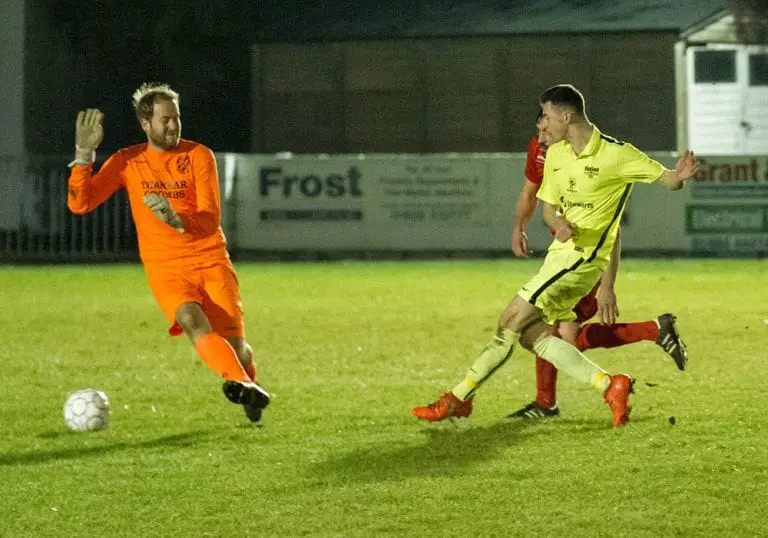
(173, 189)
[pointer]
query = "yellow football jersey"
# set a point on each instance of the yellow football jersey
(592, 189)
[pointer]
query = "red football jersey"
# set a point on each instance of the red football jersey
(534, 165)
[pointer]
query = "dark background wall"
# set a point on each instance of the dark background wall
(457, 94)
(395, 95)
(94, 54)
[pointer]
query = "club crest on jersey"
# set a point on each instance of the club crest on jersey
(571, 185)
(591, 171)
(182, 163)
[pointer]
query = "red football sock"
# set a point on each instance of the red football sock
(594, 335)
(546, 383)
(221, 357)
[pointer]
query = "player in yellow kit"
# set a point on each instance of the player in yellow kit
(588, 178)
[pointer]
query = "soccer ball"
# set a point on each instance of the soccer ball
(87, 410)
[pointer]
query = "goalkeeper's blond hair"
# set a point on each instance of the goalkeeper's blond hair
(145, 97)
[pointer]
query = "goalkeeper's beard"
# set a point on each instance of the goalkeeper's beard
(165, 141)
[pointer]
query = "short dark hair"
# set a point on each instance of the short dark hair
(564, 95)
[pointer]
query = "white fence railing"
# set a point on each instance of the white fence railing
(35, 224)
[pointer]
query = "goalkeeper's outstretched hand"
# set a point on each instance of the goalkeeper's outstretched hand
(89, 129)
(89, 132)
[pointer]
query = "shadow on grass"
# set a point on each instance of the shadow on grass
(78, 452)
(604, 424)
(447, 450)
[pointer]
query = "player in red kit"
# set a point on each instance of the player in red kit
(602, 299)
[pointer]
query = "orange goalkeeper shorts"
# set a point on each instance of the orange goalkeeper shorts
(213, 285)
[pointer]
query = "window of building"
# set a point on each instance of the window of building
(715, 66)
(758, 69)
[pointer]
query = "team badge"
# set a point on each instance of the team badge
(182, 163)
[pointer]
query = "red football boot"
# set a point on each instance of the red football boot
(617, 397)
(446, 407)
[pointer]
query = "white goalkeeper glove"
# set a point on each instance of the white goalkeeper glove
(162, 209)
(89, 133)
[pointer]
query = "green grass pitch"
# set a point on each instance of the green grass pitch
(347, 349)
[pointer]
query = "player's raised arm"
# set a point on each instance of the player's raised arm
(86, 190)
(636, 167)
(89, 134)
(685, 168)
(206, 219)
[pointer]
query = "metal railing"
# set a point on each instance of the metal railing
(36, 226)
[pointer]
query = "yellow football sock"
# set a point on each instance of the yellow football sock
(491, 359)
(570, 360)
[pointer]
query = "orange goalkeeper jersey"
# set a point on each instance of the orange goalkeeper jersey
(185, 175)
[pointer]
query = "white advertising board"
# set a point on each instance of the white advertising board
(467, 202)
(374, 202)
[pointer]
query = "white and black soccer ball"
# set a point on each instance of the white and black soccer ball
(87, 410)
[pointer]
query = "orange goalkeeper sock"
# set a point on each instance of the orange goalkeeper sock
(250, 369)
(221, 357)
